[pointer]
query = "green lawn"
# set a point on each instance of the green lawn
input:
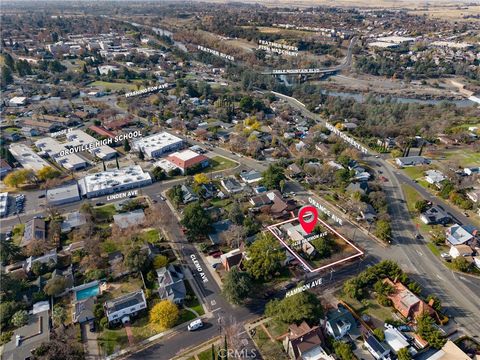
(268, 348)
(218, 163)
(369, 306)
(151, 236)
(141, 329)
(114, 85)
(109, 246)
(466, 157)
(112, 340)
(193, 301)
(220, 203)
(205, 355)
(12, 130)
(18, 233)
(415, 172)
(276, 328)
(104, 213)
(433, 249)
(411, 197)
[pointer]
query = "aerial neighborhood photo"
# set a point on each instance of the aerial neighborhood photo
(240, 179)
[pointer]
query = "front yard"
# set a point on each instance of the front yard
(218, 163)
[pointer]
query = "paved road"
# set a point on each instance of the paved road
(459, 294)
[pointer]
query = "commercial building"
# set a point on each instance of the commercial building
(63, 195)
(28, 158)
(187, 159)
(3, 204)
(111, 181)
(17, 101)
(156, 145)
(52, 148)
(78, 137)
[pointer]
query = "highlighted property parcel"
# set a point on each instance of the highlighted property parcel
(302, 245)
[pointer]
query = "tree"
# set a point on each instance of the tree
(20, 318)
(9, 251)
(160, 261)
(235, 214)
(421, 206)
(201, 178)
(126, 146)
(55, 286)
(164, 315)
(461, 264)
(176, 194)
(437, 304)
(60, 346)
(323, 246)
(8, 61)
(18, 177)
(343, 350)
(427, 330)
(59, 315)
(273, 176)
(383, 229)
(379, 334)
(296, 308)
(137, 259)
(6, 77)
(235, 235)
(237, 286)
(265, 257)
(141, 155)
(196, 220)
(403, 354)
(47, 172)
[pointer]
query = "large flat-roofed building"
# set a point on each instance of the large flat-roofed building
(63, 195)
(156, 145)
(28, 158)
(111, 181)
(187, 159)
(78, 137)
(3, 204)
(52, 148)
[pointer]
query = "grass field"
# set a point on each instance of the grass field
(205, 355)
(218, 163)
(276, 328)
(112, 340)
(411, 197)
(415, 172)
(114, 85)
(465, 157)
(268, 348)
(104, 213)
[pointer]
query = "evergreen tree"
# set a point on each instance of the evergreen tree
(141, 156)
(126, 146)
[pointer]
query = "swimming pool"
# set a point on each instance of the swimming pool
(87, 292)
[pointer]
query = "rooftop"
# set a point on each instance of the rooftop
(28, 158)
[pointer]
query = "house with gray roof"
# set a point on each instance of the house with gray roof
(132, 218)
(435, 215)
(73, 220)
(82, 310)
(170, 284)
(340, 323)
(460, 234)
(63, 194)
(412, 161)
(231, 185)
(34, 231)
(122, 308)
(29, 337)
(250, 176)
(188, 194)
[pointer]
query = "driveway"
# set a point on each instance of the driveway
(89, 341)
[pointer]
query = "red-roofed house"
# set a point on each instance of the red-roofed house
(102, 131)
(407, 303)
(186, 159)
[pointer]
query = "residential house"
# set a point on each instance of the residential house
(120, 309)
(434, 216)
(219, 228)
(335, 165)
(340, 322)
(34, 231)
(294, 170)
(368, 214)
(231, 259)
(471, 170)
(209, 191)
(188, 194)
(274, 199)
(376, 348)
(73, 220)
(30, 336)
(388, 143)
(412, 161)
(434, 177)
(49, 258)
(304, 342)
(395, 338)
(67, 275)
(231, 185)
(449, 351)
(474, 195)
(361, 186)
(132, 218)
(407, 303)
(251, 176)
(170, 284)
(460, 250)
(82, 310)
(460, 234)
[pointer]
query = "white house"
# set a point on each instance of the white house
(460, 250)
(120, 309)
(376, 348)
(434, 177)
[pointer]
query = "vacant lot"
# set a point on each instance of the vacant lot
(113, 85)
(218, 163)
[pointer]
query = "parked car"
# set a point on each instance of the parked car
(195, 325)
(92, 326)
(446, 256)
(41, 196)
(99, 204)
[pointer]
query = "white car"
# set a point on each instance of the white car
(195, 325)
(445, 256)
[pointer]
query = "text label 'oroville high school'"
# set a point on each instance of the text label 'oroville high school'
(304, 287)
(96, 144)
(199, 268)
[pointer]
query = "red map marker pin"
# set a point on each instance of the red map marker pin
(308, 226)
